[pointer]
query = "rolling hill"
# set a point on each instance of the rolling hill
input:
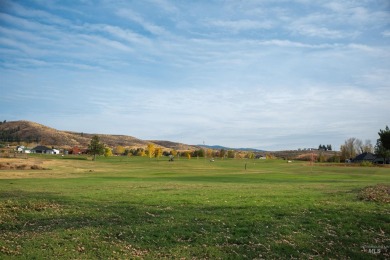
(219, 147)
(31, 132)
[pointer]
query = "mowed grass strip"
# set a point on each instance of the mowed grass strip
(119, 207)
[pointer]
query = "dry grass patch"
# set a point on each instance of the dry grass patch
(21, 164)
(24, 166)
(377, 193)
(16, 168)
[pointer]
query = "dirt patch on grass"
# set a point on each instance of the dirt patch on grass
(24, 166)
(377, 193)
(21, 164)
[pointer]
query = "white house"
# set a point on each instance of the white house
(20, 148)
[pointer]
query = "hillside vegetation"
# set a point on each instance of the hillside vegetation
(31, 132)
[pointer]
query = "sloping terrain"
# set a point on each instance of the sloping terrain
(173, 145)
(31, 132)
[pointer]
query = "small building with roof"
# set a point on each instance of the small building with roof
(43, 149)
(368, 157)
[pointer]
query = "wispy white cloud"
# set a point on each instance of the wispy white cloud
(167, 6)
(149, 26)
(358, 13)
(239, 25)
(322, 32)
(319, 25)
(238, 74)
(120, 33)
(386, 33)
(41, 16)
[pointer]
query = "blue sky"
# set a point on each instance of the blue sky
(265, 74)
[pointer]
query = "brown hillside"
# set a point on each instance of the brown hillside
(115, 140)
(173, 145)
(26, 131)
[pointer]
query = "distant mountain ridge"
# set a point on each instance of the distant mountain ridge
(219, 147)
(31, 132)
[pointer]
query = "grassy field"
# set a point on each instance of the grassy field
(126, 208)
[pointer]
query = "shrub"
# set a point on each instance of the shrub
(366, 164)
(335, 159)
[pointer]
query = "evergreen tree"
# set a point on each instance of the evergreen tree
(95, 147)
(381, 151)
(384, 136)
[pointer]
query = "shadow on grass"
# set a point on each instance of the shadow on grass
(101, 229)
(83, 158)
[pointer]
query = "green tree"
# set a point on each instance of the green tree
(199, 153)
(381, 151)
(384, 136)
(95, 147)
(222, 153)
(231, 154)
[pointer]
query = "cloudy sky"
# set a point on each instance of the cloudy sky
(268, 74)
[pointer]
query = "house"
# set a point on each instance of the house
(20, 148)
(368, 157)
(42, 149)
(381, 160)
(75, 150)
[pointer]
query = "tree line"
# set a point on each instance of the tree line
(354, 146)
(97, 148)
(328, 147)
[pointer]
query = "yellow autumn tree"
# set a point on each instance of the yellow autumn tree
(270, 156)
(209, 153)
(250, 155)
(187, 154)
(119, 150)
(158, 152)
(150, 149)
(173, 153)
(107, 152)
(141, 152)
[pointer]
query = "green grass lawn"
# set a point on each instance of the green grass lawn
(126, 208)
